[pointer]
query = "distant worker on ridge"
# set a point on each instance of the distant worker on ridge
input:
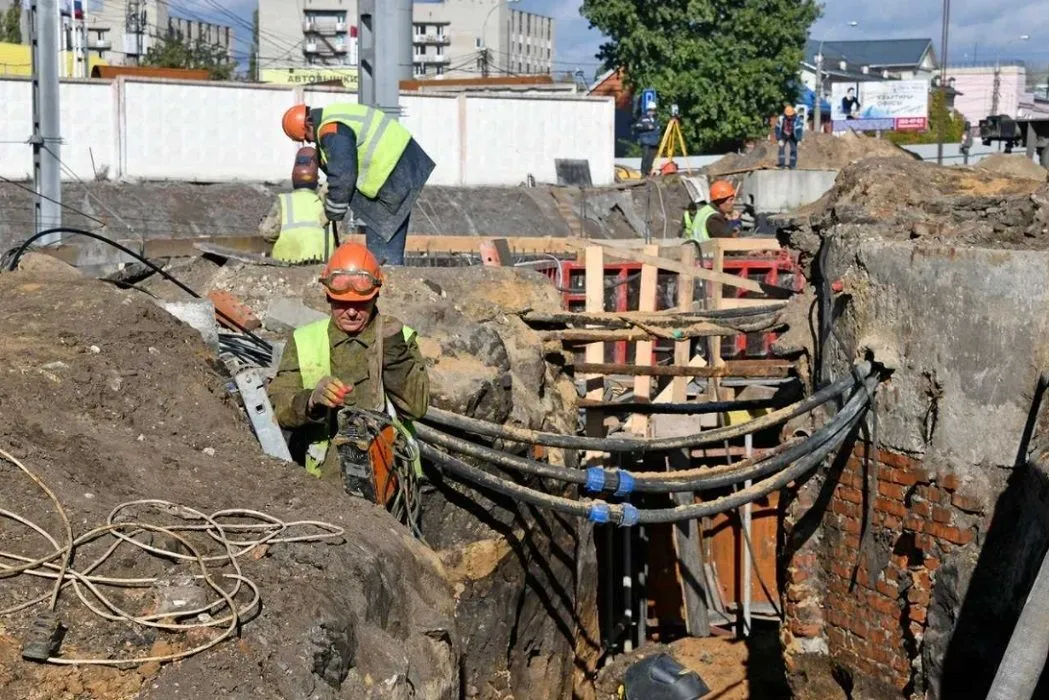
(373, 165)
(648, 132)
(789, 131)
(718, 217)
(296, 224)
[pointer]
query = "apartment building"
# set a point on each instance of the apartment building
(459, 38)
(194, 31)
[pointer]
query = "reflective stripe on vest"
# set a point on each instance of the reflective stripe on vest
(302, 231)
(380, 142)
(314, 351)
(699, 224)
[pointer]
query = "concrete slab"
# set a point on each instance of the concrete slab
(776, 191)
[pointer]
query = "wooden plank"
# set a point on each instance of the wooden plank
(738, 368)
(616, 319)
(733, 303)
(595, 352)
(667, 392)
(686, 287)
(589, 335)
(681, 269)
(643, 354)
(688, 546)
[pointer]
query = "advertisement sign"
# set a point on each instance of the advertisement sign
(882, 105)
(310, 76)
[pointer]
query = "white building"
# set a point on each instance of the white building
(464, 38)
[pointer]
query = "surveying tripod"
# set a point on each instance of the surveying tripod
(672, 138)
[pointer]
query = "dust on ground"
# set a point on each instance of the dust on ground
(815, 152)
(1013, 165)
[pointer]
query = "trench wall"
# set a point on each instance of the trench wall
(907, 562)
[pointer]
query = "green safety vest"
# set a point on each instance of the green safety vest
(699, 224)
(303, 236)
(311, 343)
(686, 219)
(380, 142)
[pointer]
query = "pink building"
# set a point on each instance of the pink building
(975, 85)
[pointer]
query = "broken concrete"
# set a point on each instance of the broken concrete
(777, 191)
(285, 314)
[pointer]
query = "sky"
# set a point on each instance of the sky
(979, 30)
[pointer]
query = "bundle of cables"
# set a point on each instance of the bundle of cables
(776, 469)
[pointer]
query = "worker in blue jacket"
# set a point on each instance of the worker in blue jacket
(648, 132)
(789, 131)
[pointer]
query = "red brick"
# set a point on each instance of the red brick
(883, 605)
(968, 504)
(891, 522)
(890, 490)
(918, 614)
(849, 510)
(800, 629)
(835, 637)
(901, 476)
(932, 564)
(898, 461)
(923, 541)
(917, 596)
(887, 588)
(941, 515)
(914, 523)
(882, 654)
(951, 534)
(921, 508)
(797, 575)
(948, 481)
(901, 665)
(893, 507)
(922, 580)
(850, 494)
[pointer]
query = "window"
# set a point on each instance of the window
(529, 25)
(420, 29)
(440, 29)
(478, 43)
(440, 50)
(418, 69)
(528, 50)
(439, 70)
(419, 50)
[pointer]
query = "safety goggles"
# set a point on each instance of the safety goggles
(343, 281)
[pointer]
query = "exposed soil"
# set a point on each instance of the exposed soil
(1013, 165)
(108, 399)
(815, 152)
(899, 199)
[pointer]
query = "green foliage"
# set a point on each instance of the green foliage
(173, 52)
(253, 61)
(728, 65)
(953, 123)
(628, 149)
(11, 24)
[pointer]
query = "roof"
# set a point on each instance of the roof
(109, 72)
(611, 84)
(880, 53)
(492, 82)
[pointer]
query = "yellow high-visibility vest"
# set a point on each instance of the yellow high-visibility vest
(314, 351)
(303, 235)
(380, 142)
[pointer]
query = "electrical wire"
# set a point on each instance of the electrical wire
(124, 530)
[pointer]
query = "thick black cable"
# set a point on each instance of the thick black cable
(687, 408)
(665, 482)
(13, 265)
(575, 442)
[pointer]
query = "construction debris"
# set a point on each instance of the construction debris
(1013, 165)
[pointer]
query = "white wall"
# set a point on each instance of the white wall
(216, 132)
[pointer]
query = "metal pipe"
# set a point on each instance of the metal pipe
(628, 590)
(47, 132)
(1028, 649)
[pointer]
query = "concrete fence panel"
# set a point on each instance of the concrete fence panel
(16, 125)
(89, 130)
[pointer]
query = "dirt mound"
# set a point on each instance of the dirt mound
(1013, 165)
(900, 199)
(108, 399)
(816, 152)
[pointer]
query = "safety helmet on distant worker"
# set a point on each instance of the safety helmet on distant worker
(294, 122)
(352, 274)
(304, 172)
(721, 190)
(789, 110)
(651, 106)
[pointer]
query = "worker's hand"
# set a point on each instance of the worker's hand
(335, 211)
(330, 392)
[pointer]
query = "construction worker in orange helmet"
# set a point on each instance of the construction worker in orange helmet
(295, 224)
(336, 361)
(790, 129)
(718, 217)
(373, 164)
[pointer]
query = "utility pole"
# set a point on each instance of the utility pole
(941, 123)
(817, 101)
(135, 21)
(996, 93)
(47, 133)
(484, 62)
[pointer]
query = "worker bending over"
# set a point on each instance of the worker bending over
(296, 224)
(718, 217)
(373, 165)
(358, 357)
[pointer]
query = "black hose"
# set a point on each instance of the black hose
(687, 408)
(625, 482)
(13, 265)
(574, 442)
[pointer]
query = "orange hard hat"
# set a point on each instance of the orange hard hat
(352, 274)
(304, 173)
(294, 122)
(788, 110)
(721, 189)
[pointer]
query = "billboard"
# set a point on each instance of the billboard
(310, 76)
(882, 105)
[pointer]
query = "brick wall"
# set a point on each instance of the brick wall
(866, 606)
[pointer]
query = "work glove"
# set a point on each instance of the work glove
(335, 211)
(330, 392)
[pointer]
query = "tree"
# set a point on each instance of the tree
(953, 123)
(728, 65)
(11, 24)
(253, 60)
(174, 52)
